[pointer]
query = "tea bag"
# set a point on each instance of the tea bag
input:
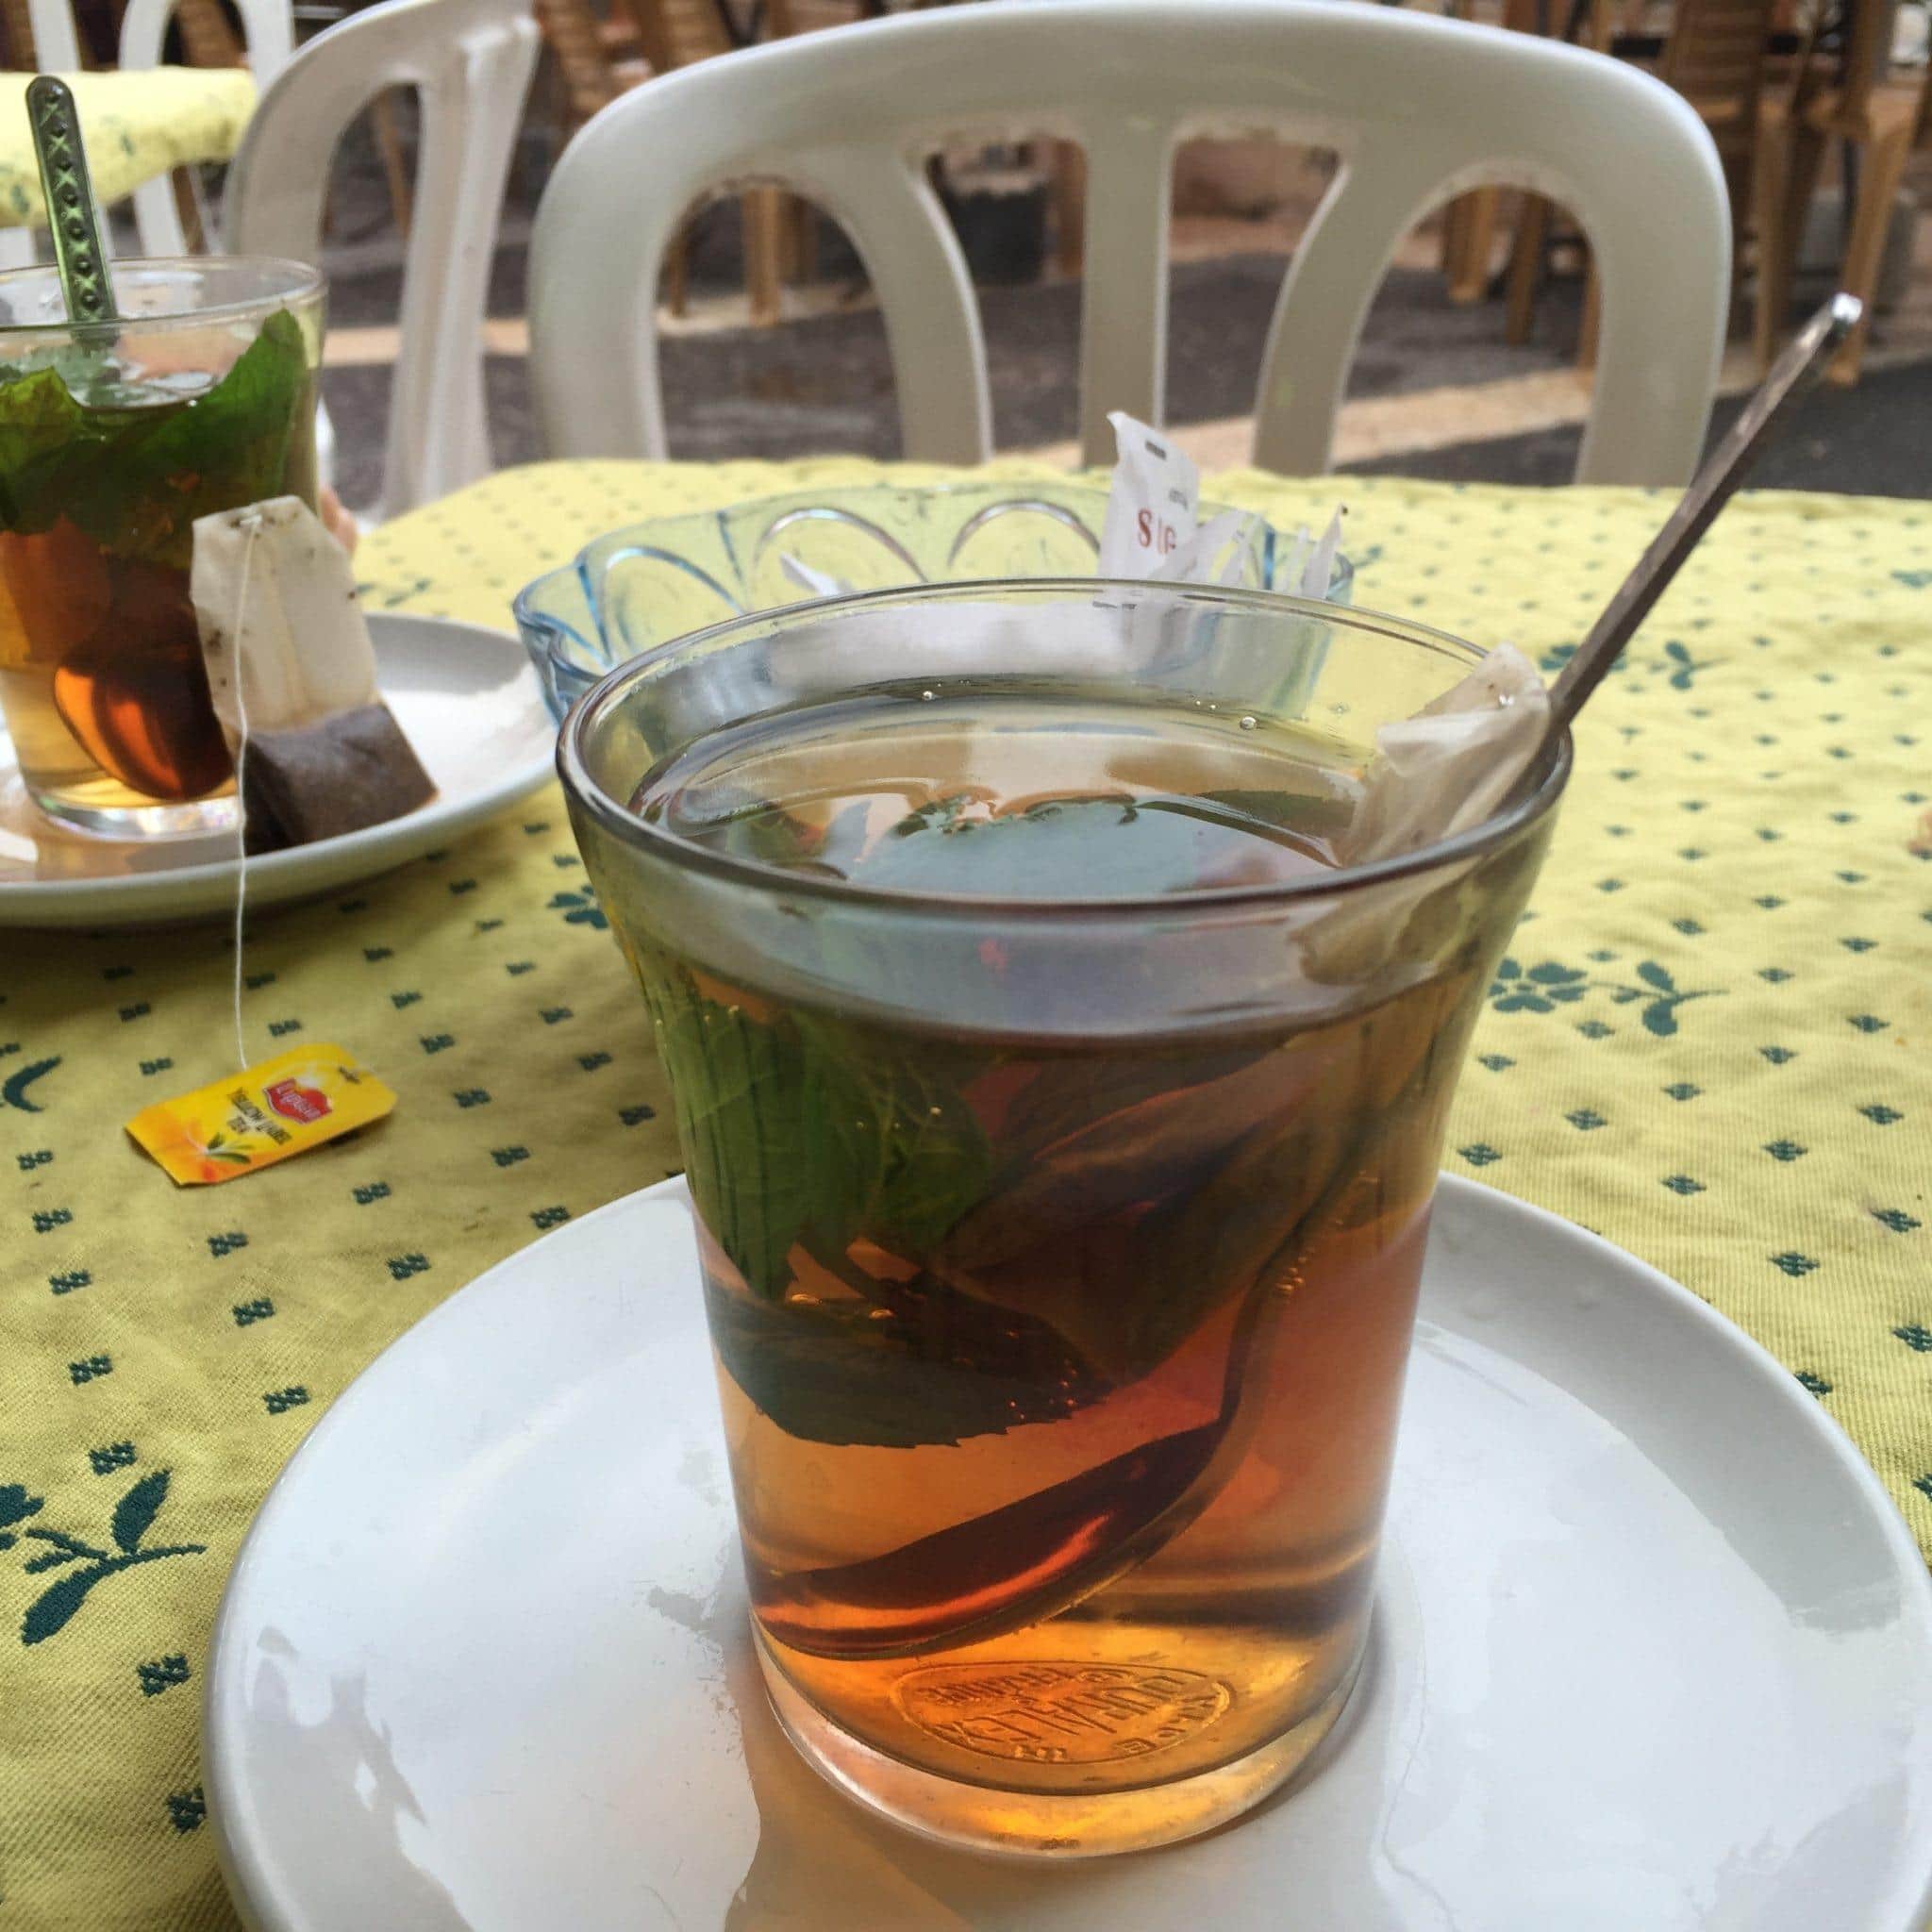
(1453, 763)
(292, 676)
(1441, 771)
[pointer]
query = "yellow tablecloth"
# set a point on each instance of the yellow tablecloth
(1712, 1041)
(135, 126)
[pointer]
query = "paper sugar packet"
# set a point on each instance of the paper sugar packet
(1153, 527)
(1431, 775)
(292, 676)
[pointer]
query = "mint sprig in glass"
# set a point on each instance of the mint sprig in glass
(198, 397)
(1061, 1112)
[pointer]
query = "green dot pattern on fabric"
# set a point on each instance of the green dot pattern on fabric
(1708, 1040)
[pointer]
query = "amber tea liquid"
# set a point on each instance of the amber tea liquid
(1059, 1369)
(102, 681)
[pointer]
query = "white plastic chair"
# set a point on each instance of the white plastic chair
(1418, 108)
(471, 63)
(56, 43)
(268, 32)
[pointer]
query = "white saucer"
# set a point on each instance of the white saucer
(1652, 1649)
(467, 700)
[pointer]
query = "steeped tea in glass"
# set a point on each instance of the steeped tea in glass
(1062, 1119)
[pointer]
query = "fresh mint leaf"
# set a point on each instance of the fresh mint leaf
(39, 421)
(1309, 815)
(797, 1132)
(135, 477)
(903, 1156)
(227, 447)
(739, 1089)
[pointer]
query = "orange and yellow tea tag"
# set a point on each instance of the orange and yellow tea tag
(263, 1114)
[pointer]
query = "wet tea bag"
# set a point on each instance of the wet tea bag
(1431, 775)
(1440, 772)
(292, 676)
(1452, 764)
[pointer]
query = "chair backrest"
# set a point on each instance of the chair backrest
(268, 34)
(470, 61)
(1417, 108)
(268, 31)
(56, 43)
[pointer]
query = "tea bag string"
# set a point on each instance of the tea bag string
(249, 522)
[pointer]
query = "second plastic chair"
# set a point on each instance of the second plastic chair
(1416, 108)
(470, 61)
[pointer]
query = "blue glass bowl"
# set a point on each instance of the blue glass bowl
(643, 585)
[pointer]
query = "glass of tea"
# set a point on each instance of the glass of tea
(114, 437)
(1062, 1119)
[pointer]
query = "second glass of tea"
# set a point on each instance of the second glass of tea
(1062, 1118)
(114, 437)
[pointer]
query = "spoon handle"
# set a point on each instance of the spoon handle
(73, 215)
(1789, 380)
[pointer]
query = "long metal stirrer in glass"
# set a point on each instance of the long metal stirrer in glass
(1789, 381)
(74, 217)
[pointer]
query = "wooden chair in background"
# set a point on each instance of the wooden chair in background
(680, 33)
(594, 58)
(1714, 54)
(1469, 221)
(1847, 102)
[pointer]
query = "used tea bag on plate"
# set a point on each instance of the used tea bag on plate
(293, 674)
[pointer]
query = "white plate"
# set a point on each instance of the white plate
(1653, 1650)
(466, 698)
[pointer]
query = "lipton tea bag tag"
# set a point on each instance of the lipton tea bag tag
(293, 674)
(262, 1115)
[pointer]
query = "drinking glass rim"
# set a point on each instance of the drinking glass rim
(305, 283)
(631, 828)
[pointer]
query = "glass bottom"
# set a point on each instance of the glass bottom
(1028, 1825)
(74, 811)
